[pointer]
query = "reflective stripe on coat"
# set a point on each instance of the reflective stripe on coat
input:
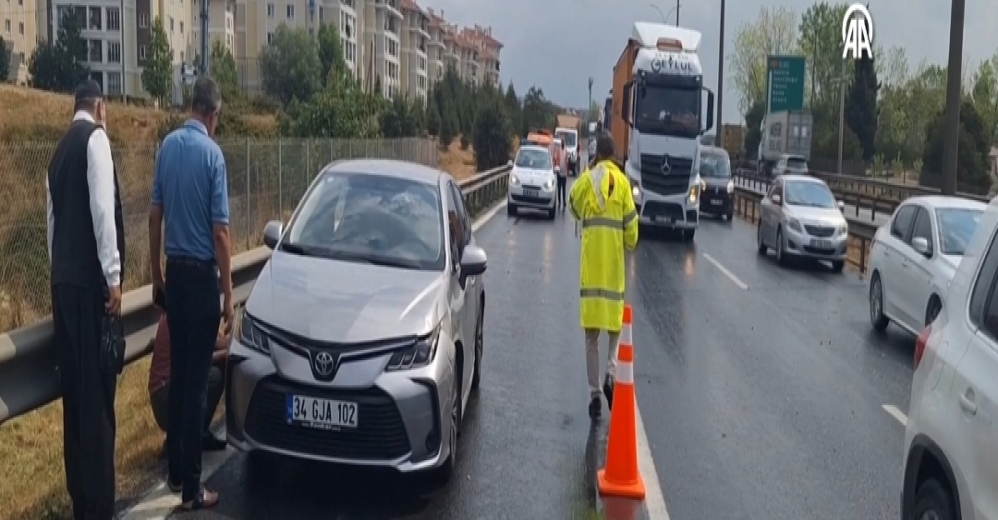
(609, 224)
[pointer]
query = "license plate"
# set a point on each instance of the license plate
(664, 220)
(821, 244)
(323, 414)
(529, 193)
(715, 203)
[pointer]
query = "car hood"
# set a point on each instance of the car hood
(817, 216)
(533, 175)
(346, 302)
(716, 182)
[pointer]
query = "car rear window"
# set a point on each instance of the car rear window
(956, 227)
(796, 162)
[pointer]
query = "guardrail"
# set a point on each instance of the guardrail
(29, 372)
(747, 204)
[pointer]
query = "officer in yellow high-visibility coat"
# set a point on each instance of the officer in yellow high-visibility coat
(601, 202)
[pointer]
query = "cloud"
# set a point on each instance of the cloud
(558, 44)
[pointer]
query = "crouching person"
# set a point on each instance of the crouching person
(159, 383)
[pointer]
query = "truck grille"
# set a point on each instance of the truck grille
(676, 182)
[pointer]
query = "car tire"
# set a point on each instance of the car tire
(838, 265)
(445, 472)
(876, 299)
(759, 243)
(781, 255)
(551, 213)
(476, 378)
(729, 216)
(932, 310)
(688, 235)
(933, 501)
(511, 210)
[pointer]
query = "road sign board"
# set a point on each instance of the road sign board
(785, 83)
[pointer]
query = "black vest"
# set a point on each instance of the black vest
(74, 245)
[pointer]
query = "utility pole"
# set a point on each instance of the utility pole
(590, 105)
(204, 38)
(842, 111)
(719, 139)
(677, 13)
(954, 70)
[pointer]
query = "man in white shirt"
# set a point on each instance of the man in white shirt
(86, 247)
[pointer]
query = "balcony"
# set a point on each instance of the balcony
(390, 6)
(421, 29)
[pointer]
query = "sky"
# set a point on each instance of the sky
(558, 44)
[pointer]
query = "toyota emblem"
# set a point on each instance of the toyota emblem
(666, 167)
(325, 364)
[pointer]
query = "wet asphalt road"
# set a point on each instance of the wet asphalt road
(762, 403)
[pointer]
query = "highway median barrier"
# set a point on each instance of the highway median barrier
(621, 477)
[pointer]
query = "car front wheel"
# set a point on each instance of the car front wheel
(476, 379)
(933, 502)
(877, 317)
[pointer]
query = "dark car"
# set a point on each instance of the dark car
(718, 187)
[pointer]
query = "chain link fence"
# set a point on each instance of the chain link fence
(266, 180)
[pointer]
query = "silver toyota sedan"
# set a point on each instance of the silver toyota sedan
(799, 217)
(361, 340)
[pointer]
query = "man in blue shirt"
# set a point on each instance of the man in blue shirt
(190, 195)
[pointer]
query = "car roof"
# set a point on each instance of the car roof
(534, 147)
(714, 150)
(389, 168)
(946, 201)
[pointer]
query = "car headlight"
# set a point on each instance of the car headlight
(843, 228)
(419, 354)
(794, 224)
(548, 186)
(731, 187)
(514, 180)
(251, 336)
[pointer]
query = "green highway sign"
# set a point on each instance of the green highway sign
(785, 83)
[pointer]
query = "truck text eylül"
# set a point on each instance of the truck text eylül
(658, 118)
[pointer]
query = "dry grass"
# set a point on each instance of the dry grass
(457, 162)
(33, 486)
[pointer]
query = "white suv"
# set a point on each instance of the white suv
(951, 439)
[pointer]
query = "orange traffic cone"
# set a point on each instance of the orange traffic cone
(620, 477)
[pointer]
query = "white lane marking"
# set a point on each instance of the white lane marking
(159, 502)
(731, 276)
(654, 499)
(894, 412)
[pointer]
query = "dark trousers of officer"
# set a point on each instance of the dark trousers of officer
(562, 181)
(88, 401)
(193, 307)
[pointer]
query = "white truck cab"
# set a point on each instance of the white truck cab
(664, 109)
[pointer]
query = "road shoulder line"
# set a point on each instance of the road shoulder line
(654, 498)
(896, 413)
(731, 276)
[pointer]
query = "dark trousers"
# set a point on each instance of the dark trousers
(159, 400)
(562, 181)
(88, 402)
(193, 307)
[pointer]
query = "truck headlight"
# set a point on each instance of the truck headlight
(731, 187)
(694, 194)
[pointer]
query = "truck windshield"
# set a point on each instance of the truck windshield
(668, 111)
(568, 138)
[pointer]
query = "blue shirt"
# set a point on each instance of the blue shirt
(191, 185)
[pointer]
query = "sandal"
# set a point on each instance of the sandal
(205, 499)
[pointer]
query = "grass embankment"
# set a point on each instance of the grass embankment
(31, 446)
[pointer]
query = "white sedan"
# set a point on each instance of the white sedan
(532, 181)
(914, 256)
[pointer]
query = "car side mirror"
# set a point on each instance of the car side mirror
(272, 233)
(473, 261)
(841, 205)
(776, 199)
(921, 246)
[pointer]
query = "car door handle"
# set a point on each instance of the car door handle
(967, 402)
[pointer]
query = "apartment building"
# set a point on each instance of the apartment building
(20, 35)
(382, 37)
(415, 42)
(487, 53)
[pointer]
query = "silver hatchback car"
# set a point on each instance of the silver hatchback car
(361, 340)
(799, 217)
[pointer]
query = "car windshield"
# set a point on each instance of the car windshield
(715, 166)
(808, 193)
(374, 219)
(668, 111)
(956, 227)
(797, 163)
(534, 158)
(568, 138)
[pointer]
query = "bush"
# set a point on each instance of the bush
(492, 136)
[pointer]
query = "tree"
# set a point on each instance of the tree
(538, 112)
(492, 134)
(972, 153)
(984, 93)
(821, 43)
(157, 71)
(341, 109)
(331, 51)
(861, 105)
(773, 32)
(223, 70)
(59, 66)
(399, 119)
(4, 62)
(448, 125)
(432, 114)
(753, 136)
(290, 66)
